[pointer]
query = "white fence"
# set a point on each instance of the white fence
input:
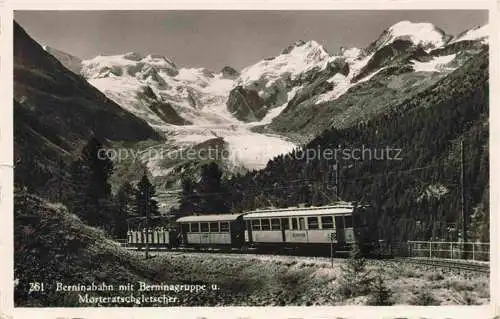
(449, 250)
(123, 242)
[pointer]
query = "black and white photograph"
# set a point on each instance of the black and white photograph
(250, 158)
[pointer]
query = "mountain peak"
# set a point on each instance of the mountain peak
(130, 63)
(229, 72)
(161, 59)
(292, 46)
(423, 34)
(134, 56)
(309, 45)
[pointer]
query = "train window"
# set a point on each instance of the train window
(195, 227)
(204, 227)
(302, 223)
(275, 224)
(224, 227)
(185, 228)
(214, 227)
(294, 223)
(327, 222)
(348, 221)
(256, 224)
(312, 222)
(266, 225)
(285, 223)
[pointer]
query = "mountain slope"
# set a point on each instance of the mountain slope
(479, 33)
(70, 62)
(417, 194)
(56, 111)
(397, 66)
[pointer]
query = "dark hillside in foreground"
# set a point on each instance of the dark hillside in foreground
(52, 245)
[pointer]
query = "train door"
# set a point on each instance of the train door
(184, 232)
(285, 225)
(248, 229)
(237, 229)
(339, 225)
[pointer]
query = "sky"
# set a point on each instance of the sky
(214, 39)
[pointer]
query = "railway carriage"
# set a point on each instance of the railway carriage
(224, 230)
(157, 233)
(315, 228)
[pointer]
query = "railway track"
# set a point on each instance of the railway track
(260, 251)
(453, 264)
(433, 262)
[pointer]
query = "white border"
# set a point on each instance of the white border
(494, 147)
(6, 168)
(6, 147)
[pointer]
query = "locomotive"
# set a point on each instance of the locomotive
(312, 229)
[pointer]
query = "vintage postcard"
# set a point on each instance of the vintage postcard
(301, 161)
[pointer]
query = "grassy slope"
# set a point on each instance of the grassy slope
(51, 244)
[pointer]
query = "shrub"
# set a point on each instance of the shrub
(425, 298)
(355, 279)
(381, 295)
(433, 276)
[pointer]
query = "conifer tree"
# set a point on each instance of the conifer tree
(90, 173)
(125, 208)
(190, 201)
(212, 191)
(145, 204)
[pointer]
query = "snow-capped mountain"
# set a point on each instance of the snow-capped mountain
(281, 93)
(187, 104)
(275, 104)
(360, 83)
(305, 73)
(125, 79)
(285, 68)
(425, 35)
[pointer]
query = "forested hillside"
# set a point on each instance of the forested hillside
(417, 195)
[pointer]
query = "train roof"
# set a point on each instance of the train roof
(301, 211)
(208, 218)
